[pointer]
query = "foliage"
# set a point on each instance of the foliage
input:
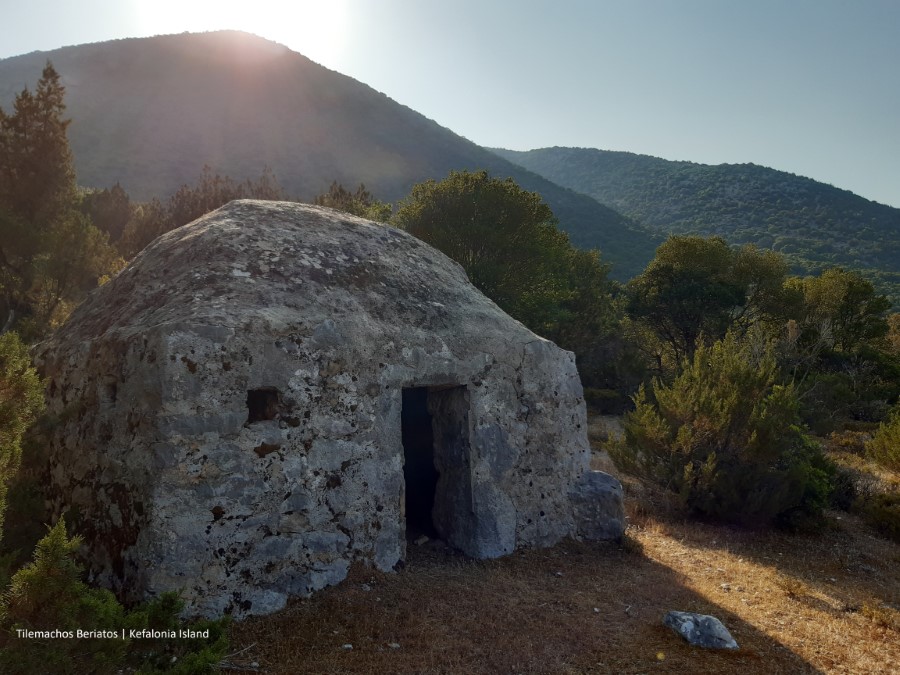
(813, 225)
(882, 511)
(844, 489)
(37, 180)
(699, 288)
(507, 241)
(884, 447)
(48, 594)
(361, 203)
(147, 221)
(843, 307)
(150, 220)
(849, 441)
(109, 209)
(725, 437)
(893, 335)
(186, 656)
(837, 352)
(50, 254)
(21, 400)
(505, 238)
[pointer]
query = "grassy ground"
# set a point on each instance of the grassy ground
(795, 604)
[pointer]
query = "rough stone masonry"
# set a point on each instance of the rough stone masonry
(231, 413)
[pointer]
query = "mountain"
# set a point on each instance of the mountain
(150, 112)
(813, 224)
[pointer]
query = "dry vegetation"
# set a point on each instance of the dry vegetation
(795, 603)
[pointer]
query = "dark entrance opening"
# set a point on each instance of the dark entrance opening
(419, 470)
(262, 404)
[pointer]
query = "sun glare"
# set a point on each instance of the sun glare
(315, 28)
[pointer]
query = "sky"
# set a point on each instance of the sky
(806, 86)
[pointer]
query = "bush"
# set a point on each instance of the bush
(884, 447)
(48, 595)
(726, 437)
(844, 491)
(882, 511)
(21, 400)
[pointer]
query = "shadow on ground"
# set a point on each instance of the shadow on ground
(575, 608)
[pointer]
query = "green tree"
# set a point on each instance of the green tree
(893, 335)
(698, 287)
(361, 203)
(48, 594)
(508, 242)
(725, 436)
(37, 179)
(505, 238)
(147, 221)
(884, 447)
(843, 308)
(50, 254)
(587, 320)
(109, 210)
(21, 400)
(837, 350)
(212, 190)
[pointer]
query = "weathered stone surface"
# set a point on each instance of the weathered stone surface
(597, 501)
(230, 410)
(701, 630)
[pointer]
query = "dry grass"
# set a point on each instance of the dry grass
(795, 604)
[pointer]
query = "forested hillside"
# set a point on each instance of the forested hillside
(150, 113)
(812, 224)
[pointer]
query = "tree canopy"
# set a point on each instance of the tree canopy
(50, 254)
(508, 242)
(699, 287)
(360, 203)
(505, 238)
(212, 190)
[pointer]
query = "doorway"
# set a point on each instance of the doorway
(437, 464)
(419, 471)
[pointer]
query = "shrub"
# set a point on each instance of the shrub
(181, 657)
(21, 400)
(884, 447)
(48, 594)
(844, 491)
(882, 511)
(725, 436)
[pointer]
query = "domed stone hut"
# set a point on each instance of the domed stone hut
(276, 390)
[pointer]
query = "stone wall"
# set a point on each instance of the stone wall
(230, 410)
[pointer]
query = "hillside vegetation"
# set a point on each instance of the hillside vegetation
(812, 224)
(150, 113)
(758, 398)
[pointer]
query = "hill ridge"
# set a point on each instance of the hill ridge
(149, 113)
(814, 224)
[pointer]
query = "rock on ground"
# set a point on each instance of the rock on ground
(701, 630)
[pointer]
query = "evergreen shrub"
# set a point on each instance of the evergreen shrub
(882, 511)
(725, 437)
(884, 447)
(49, 595)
